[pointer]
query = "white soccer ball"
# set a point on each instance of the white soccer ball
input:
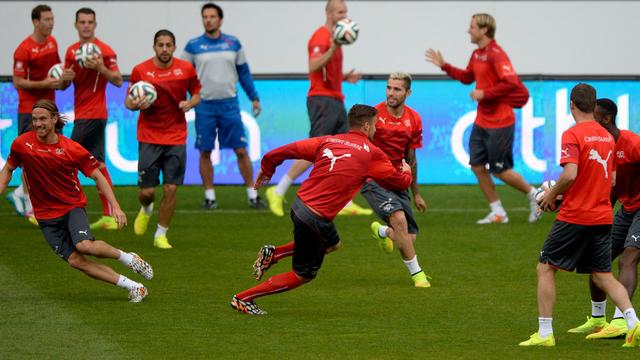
(346, 32)
(55, 71)
(143, 89)
(542, 190)
(87, 51)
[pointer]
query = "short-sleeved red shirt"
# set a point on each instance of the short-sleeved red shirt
(90, 88)
(326, 81)
(163, 122)
(32, 61)
(592, 148)
(395, 136)
(51, 173)
(627, 188)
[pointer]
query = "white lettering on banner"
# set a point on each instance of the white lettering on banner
(529, 124)
(4, 124)
(564, 120)
(457, 137)
(113, 154)
(622, 120)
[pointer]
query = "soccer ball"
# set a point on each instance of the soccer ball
(346, 32)
(85, 52)
(143, 89)
(542, 190)
(55, 71)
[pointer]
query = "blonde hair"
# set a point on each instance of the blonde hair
(399, 75)
(486, 21)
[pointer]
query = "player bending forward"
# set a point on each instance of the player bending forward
(341, 165)
(50, 163)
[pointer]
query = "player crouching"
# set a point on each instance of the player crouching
(50, 163)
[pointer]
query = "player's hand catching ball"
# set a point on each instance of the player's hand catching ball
(405, 166)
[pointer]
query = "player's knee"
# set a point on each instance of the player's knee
(629, 258)
(85, 247)
(77, 261)
(147, 194)
(398, 221)
(169, 189)
(479, 169)
(205, 155)
(241, 152)
(544, 269)
(601, 278)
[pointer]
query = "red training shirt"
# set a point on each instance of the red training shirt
(163, 122)
(395, 136)
(492, 71)
(32, 61)
(341, 165)
(51, 173)
(627, 188)
(326, 81)
(89, 97)
(592, 148)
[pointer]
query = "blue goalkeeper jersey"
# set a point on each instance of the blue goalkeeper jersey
(220, 64)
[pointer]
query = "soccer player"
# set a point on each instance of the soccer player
(398, 134)
(32, 59)
(90, 100)
(625, 232)
(162, 131)
(341, 165)
(220, 62)
(579, 238)
(491, 140)
(325, 101)
(50, 163)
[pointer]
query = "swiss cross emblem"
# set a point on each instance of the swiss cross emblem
(407, 123)
(59, 151)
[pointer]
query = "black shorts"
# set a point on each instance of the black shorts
(385, 202)
(327, 116)
(585, 247)
(312, 236)
(25, 122)
(493, 147)
(90, 134)
(63, 233)
(625, 232)
(153, 158)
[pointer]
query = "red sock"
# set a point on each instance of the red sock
(275, 284)
(283, 251)
(106, 207)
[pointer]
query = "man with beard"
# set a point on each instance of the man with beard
(220, 62)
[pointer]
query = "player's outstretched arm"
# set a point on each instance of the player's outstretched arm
(105, 188)
(5, 176)
(435, 57)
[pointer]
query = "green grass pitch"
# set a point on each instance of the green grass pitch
(361, 306)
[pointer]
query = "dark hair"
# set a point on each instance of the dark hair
(607, 107)
(583, 97)
(164, 32)
(360, 114)
(212, 6)
(86, 11)
(38, 10)
(52, 108)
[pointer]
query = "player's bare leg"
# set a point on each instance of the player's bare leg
(497, 215)
(146, 196)
(516, 181)
(207, 175)
(629, 269)
(620, 297)
(93, 269)
(106, 222)
(546, 290)
(246, 170)
(165, 215)
(398, 232)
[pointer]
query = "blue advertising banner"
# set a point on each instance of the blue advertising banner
(445, 106)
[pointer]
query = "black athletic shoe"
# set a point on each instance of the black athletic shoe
(209, 204)
(257, 203)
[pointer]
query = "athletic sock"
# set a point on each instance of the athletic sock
(283, 185)
(252, 193)
(631, 317)
(618, 313)
(106, 207)
(283, 251)
(148, 209)
(545, 327)
(598, 308)
(28, 208)
(531, 195)
(275, 284)
(383, 231)
(127, 283)
(125, 258)
(160, 230)
(412, 265)
(210, 194)
(496, 208)
(19, 191)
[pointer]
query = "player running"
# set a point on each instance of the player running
(341, 165)
(50, 163)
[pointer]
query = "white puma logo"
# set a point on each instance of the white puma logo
(565, 153)
(635, 237)
(85, 232)
(29, 145)
(327, 152)
(594, 155)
